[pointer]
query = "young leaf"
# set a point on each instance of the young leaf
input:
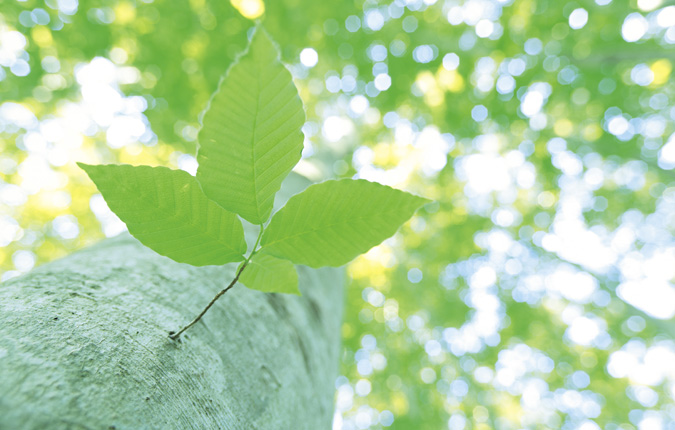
(270, 274)
(330, 223)
(250, 138)
(167, 211)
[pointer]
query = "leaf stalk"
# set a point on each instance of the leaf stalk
(176, 336)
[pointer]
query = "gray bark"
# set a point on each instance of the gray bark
(84, 345)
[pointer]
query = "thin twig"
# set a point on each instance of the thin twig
(223, 291)
(175, 336)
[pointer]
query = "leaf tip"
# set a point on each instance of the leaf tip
(424, 201)
(260, 37)
(83, 166)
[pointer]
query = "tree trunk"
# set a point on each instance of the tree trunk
(84, 345)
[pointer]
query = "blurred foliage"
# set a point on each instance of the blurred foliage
(536, 292)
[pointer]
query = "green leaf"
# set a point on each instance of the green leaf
(167, 211)
(270, 274)
(251, 135)
(330, 223)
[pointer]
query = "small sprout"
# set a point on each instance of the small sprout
(249, 142)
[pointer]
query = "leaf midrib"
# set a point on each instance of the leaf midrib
(253, 140)
(327, 227)
(200, 230)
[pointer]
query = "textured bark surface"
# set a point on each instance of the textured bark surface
(83, 345)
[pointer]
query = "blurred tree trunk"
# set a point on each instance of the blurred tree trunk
(84, 345)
